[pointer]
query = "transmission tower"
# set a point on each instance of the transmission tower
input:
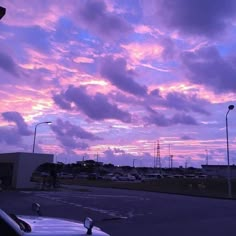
(158, 155)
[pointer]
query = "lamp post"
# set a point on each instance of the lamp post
(2, 12)
(230, 107)
(134, 162)
(35, 130)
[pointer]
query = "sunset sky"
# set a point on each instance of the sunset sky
(115, 76)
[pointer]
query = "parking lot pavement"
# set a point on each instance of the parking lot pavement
(125, 212)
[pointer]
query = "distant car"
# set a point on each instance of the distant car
(110, 177)
(191, 176)
(151, 177)
(82, 176)
(12, 225)
(93, 176)
(64, 175)
(179, 176)
(202, 176)
(126, 178)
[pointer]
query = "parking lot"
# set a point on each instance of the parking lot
(126, 212)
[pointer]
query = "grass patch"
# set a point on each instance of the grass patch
(217, 188)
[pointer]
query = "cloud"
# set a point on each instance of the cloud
(96, 107)
(121, 157)
(186, 137)
(116, 72)
(7, 64)
(178, 101)
(94, 16)
(16, 117)
(61, 102)
(9, 136)
(38, 13)
(207, 67)
(69, 134)
(163, 121)
(35, 37)
(197, 17)
(181, 118)
(65, 128)
(185, 102)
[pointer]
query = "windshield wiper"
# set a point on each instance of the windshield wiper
(22, 224)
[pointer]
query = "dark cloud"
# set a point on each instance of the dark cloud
(199, 17)
(70, 135)
(94, 16)
(207, 67)
(163, 121)
(96, 107)
(65, 128)
(155, 92)
(186, 137)
(116, 72)
(178, 101)
(7, 64)
(10, 136)
(16, 117)
(181, 118)
(186, 102)
(60, 100)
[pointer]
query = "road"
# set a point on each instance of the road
(126, 212)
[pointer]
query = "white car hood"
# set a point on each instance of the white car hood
(42, 226)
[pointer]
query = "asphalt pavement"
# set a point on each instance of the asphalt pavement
(126, 212)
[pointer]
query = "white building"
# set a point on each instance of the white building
(16, 168)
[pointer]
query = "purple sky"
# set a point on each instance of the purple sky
(115, 76)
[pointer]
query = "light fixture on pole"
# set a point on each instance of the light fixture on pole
(230, 107)
(35, 130)
(2, 12)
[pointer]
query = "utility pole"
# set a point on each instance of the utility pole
(171, 161)
(154, 155)
(158, 155)
(206, 157)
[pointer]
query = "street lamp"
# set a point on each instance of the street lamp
(35, 130)
(230, 107)
(2, 12)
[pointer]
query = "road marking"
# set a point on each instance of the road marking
(102, 211)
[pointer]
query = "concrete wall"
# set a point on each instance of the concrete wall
(24, 165)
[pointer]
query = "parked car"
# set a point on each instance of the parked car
(202, 176)
(64, 175)
(93, 176)
(126, 178)
(14, 225)
(151, 177)
(82, 176)
(110, 177)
